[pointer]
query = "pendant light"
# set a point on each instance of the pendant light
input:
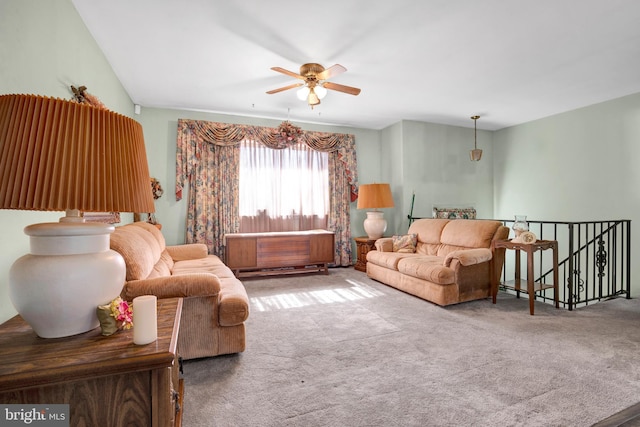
(475, 154)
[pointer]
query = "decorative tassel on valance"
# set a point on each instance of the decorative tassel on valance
(288, 134)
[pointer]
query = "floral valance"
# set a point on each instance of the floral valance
(226, 134)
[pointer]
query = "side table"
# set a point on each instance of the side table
(106, 381)
(363, 246)
(532, 287)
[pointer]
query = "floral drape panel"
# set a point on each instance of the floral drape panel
(212, 174)
(207, 158)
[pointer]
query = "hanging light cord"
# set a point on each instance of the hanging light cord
(475, 131)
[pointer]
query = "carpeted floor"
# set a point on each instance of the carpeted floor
(344, 350)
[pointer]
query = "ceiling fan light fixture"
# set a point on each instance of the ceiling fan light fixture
(302, 93)
(320, 91)
(315, 82)
(313, 98)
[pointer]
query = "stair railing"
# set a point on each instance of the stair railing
(597, 265)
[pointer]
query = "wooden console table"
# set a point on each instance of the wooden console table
(363, 246)
(107, 381)
(259, 254)
(532, 287)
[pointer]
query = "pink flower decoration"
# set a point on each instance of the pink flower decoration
(288, 133)
(122, 312)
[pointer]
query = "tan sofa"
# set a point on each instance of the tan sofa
(215, 303)
(451, 262)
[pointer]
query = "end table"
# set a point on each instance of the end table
(106, 381)
(532, 287)
(363, 245)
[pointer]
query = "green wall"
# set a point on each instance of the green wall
(577, 166)
(581, 165)
(433, 162)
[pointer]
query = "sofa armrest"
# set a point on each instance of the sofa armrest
(234, 302)
(468, 256)
(188, 251)
(181, 286)
(384, 244)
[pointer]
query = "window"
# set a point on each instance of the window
(283, 190)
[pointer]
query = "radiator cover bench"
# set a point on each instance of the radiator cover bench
(287, 252)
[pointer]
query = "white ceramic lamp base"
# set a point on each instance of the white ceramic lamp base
(375, 225)
(70, 272)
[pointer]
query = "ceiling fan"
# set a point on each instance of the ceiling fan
(315, 84)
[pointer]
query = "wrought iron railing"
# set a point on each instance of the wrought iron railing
(594, 260)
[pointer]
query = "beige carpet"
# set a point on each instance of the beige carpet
(344, 350)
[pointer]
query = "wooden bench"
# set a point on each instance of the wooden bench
(288, 252)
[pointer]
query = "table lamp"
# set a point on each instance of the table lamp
(58, 155)
(375, 196)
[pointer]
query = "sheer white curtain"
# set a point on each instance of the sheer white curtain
(283, 190)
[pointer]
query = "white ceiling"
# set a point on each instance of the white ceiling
(440, 61)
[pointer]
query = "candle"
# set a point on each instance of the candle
(145, 319)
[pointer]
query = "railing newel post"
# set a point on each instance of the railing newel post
(628, 258)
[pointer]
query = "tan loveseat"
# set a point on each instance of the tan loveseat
(451, 262)
(215, 303)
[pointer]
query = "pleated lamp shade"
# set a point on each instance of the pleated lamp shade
(58, 155)
(374, 196)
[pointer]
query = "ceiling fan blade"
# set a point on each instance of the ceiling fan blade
(342, 88)
(332, 71)
(287, 72)
(285, 88)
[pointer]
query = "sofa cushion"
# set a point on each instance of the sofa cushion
(167, 259)
(467, 234)
(210, 264)
(429, 268)
(163, 266)
(387, 259)
(154, 231)
(152, 242)
(405, 243)
(428, 231)
(427, 248)
(138, 257)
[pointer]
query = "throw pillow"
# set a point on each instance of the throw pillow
(405, 243)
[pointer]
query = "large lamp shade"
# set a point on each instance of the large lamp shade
(375, 196)
(58, 155)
